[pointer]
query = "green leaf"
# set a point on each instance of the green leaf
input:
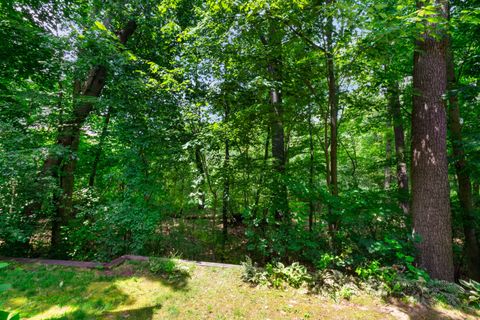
(100, 26)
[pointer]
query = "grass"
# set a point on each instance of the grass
(130, 291)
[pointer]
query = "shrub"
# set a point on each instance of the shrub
(334, 283)
(370, 278)
(276, 275)
(472, 290)
(169, 268)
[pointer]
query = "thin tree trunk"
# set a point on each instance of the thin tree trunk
(388, 159)
(311, 203)
(201, 183)
(333, 219)
(98, 150)
(333, 106)
(226, 181)
(430, 188)
(399, 135)
(274, 68)
(471, 248)
(326, 150)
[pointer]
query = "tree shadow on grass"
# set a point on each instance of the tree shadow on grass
(145, 313)
(51, 292)
(177, 280)
(426, 311)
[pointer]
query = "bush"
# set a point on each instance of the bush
(472, 292)
(168, 268)
(334, 283)
(276, 275)
(371, 278)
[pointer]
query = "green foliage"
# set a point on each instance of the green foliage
(184, 130)
(170, 268)
(3, 287)
(276, 275)
(334, 284)
(472, 291)
(371, 278)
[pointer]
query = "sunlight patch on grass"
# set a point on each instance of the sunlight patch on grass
(17, 301)
(142, 292)
(54, 312)
(56, 293)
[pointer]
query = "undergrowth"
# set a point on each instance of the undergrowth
(371, 279)
(170, 269)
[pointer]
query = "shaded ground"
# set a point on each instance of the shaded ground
(199, 239)
(129, 292)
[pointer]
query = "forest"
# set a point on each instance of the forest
(301, 135)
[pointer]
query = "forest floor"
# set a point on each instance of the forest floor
(131, 292)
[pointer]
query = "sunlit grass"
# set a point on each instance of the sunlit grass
(41, 292)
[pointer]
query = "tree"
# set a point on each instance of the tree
(63, 167)
(430, 188)
(471, 247)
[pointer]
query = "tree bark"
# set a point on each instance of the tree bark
(63, 167)
(471, 248)
(399, 136)
(430, 188)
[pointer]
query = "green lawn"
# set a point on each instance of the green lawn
(130, 292)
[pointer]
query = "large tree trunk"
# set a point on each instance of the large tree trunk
(471, 248)
(274, 67)
(399, 136)
(63, 167)
(430, 188)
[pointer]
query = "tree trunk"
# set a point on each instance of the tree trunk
(98, 150)
(226, 181)
(201, 183)
(399, 136)
(333, 105)
(387, 171)
(274, 68)
(311, 174)
(333, 219)
(63, 166)
(471, 248)
(430, 188)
